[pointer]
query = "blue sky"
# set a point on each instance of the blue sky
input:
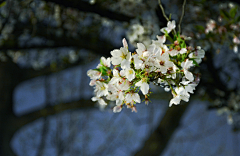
(201, 132)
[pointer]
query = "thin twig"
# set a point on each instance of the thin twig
(180, 21)
(164, 15)
(163, 12)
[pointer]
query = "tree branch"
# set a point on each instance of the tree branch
(52, 110)
(27, 74)
(163, 12)
(180, 21)
(83, 42)
(86, 7)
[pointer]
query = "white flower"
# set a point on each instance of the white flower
(197, 55)
(181, 95)
(186, 65)
(210, 26)
(139, 29)
(236, 40)
(161, 39)
(189, 87)
(101, 89)
(116, 77)
(160, 44)
(100, 100)
(121, 84)
(132, 97)
(144, 86)
(162, 81)
(119, 55)
(117, 109)
(92, 83)
(170, 26)
(106, 62)
(125, 45)
(155, 48)
(164, 63)
(142, 52)
(183, 92)
(138, 64)
(172, 71)
(235, 48)
(124, 84)
(129, 73)
(125, 64)
(173, 52)
(140, 49)
(183, 50)
(134, 109)
(167, 89)
(94, 74)
(115, 96)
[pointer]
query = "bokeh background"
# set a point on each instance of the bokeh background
(47, 47)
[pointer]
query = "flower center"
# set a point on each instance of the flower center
(161, 63)
(103, 88)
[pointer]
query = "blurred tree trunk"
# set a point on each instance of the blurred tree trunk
(9, 78)
(158, 140)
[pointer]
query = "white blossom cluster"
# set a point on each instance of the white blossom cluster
(144, 30)
(227, 25)
(166, 64)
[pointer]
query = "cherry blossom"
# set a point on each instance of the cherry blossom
(186, 65)
(94, 74)
(170, 26)
(132, 97)
(168, 65)
(144, 86)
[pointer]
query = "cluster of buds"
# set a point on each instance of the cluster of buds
(227, 26)
(165, 64)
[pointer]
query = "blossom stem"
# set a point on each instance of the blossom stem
(171, 88)
(164, 15)
(163, 12)
(180, 21)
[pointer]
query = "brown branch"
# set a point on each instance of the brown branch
(158, 140)
(52, 110)
(86, 7)
(92, 43)
(84, 41)
(27, 74)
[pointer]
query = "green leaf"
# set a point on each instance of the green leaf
(233, 12)
(2, 4)
(200, 27)
(224, 14)
(101, 62)
(166, 33)
(169, 38)
(194, 62)
(183, 44)
(238, 19)
(183, 58)
(103, 70)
